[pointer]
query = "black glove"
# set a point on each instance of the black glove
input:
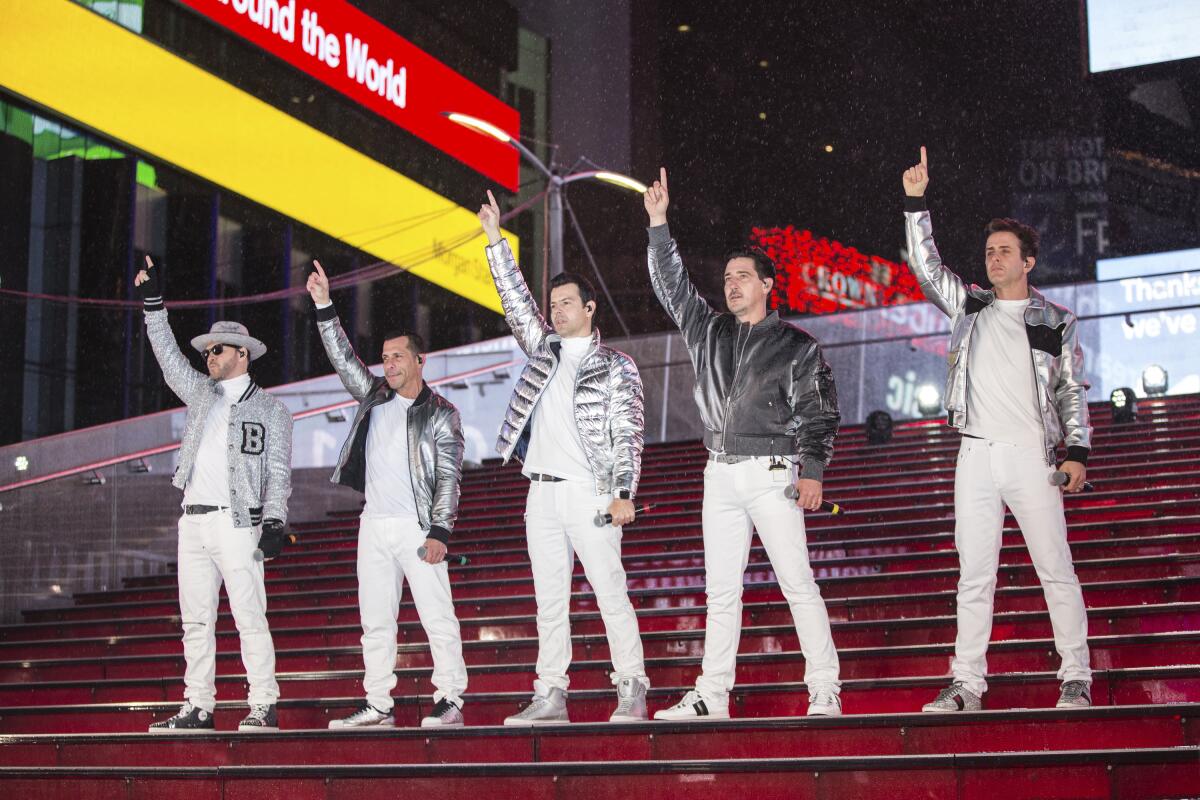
(151, 291)
(273, 539)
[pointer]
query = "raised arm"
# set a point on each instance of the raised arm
(678, 295)
(520, 309)
(354, 374)
(185, 381)
(941, 286)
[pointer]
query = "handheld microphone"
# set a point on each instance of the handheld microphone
(601, 519)
(1060, 478)
(460, 561)
(791, 493)
(258, 554)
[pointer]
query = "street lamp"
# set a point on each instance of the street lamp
(556, 181)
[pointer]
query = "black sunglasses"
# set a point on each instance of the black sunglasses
(217, 349)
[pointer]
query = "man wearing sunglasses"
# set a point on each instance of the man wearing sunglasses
(404, 452)
(235, 472)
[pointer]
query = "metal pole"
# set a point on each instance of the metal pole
(556, 226)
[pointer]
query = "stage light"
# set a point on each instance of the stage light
(762, 115)
(684, 28)
(764, 63)
(879, 427)
(1154, 381)
(21, 463)
(1124, 405)
(929, 400)
(828, 148)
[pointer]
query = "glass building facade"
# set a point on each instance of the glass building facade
(80, 209)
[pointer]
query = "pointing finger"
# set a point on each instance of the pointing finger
(924, 157)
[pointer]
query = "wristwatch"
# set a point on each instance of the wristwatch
(624, 494)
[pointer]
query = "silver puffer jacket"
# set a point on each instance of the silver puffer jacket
(435, 439)
(1054, 349)
(608, 389)
(259, 437)
(762, 390)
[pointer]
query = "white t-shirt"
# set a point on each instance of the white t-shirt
(208, 485)
(1001, 398)
(554, 444)
(389, 483)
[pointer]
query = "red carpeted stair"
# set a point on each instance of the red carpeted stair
(78, 686)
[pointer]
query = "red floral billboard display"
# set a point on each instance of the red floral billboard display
(815, 275)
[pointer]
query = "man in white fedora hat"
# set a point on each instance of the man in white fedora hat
(235, 472)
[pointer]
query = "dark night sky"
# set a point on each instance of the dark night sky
(874, 80)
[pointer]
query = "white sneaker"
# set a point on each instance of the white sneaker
(548, 706)
(693, 707)
(444, 715)
(824, 702)
(366, 717)
(631, 701)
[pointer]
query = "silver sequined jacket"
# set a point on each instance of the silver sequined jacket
(259, 437)
(608, 389)
(435, 439)
(1054, 349)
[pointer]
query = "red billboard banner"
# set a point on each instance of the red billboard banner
(815, 275)
(366, 61)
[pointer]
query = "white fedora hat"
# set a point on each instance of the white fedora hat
(234, 333)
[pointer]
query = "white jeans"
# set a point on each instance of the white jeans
(739, 498)
(559, 523)
(387, 555)
(991, 475)
(211, 550)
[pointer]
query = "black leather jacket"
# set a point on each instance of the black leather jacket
(762, 389)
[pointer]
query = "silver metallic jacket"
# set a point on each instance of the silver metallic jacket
(762, 389)
(1053, 334)
(259, 437)
(435, 439)
(608, 389)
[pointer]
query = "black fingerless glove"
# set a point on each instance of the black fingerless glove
(273, 539)
(151, 291)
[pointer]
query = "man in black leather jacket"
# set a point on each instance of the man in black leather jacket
(769, 407)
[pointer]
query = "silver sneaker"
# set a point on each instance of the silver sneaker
(444, 715)
(694, 707)
(824, 702)
(1075, 694)
(631, 701)
(366, 717)
(549, 706)
(955, 697)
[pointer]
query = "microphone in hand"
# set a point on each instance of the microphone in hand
(460, 561)
(274, 538)
(1060, 478)
(791, 493)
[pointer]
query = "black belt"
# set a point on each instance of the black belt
(203, 509)
(535, 476)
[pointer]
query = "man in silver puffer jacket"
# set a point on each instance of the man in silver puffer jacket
(404, 452)
(575, 420)
(1015, 389)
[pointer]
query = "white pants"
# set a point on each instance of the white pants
(211, 550)
(560, 523)
(387, 555)
(739, 498)
(991, 475)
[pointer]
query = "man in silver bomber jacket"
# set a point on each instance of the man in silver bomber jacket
(404, 453)
(1015, 389)
(769, 407)
(575, 420)
(235, 470)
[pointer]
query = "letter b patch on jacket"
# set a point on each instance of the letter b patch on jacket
(254, 437)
